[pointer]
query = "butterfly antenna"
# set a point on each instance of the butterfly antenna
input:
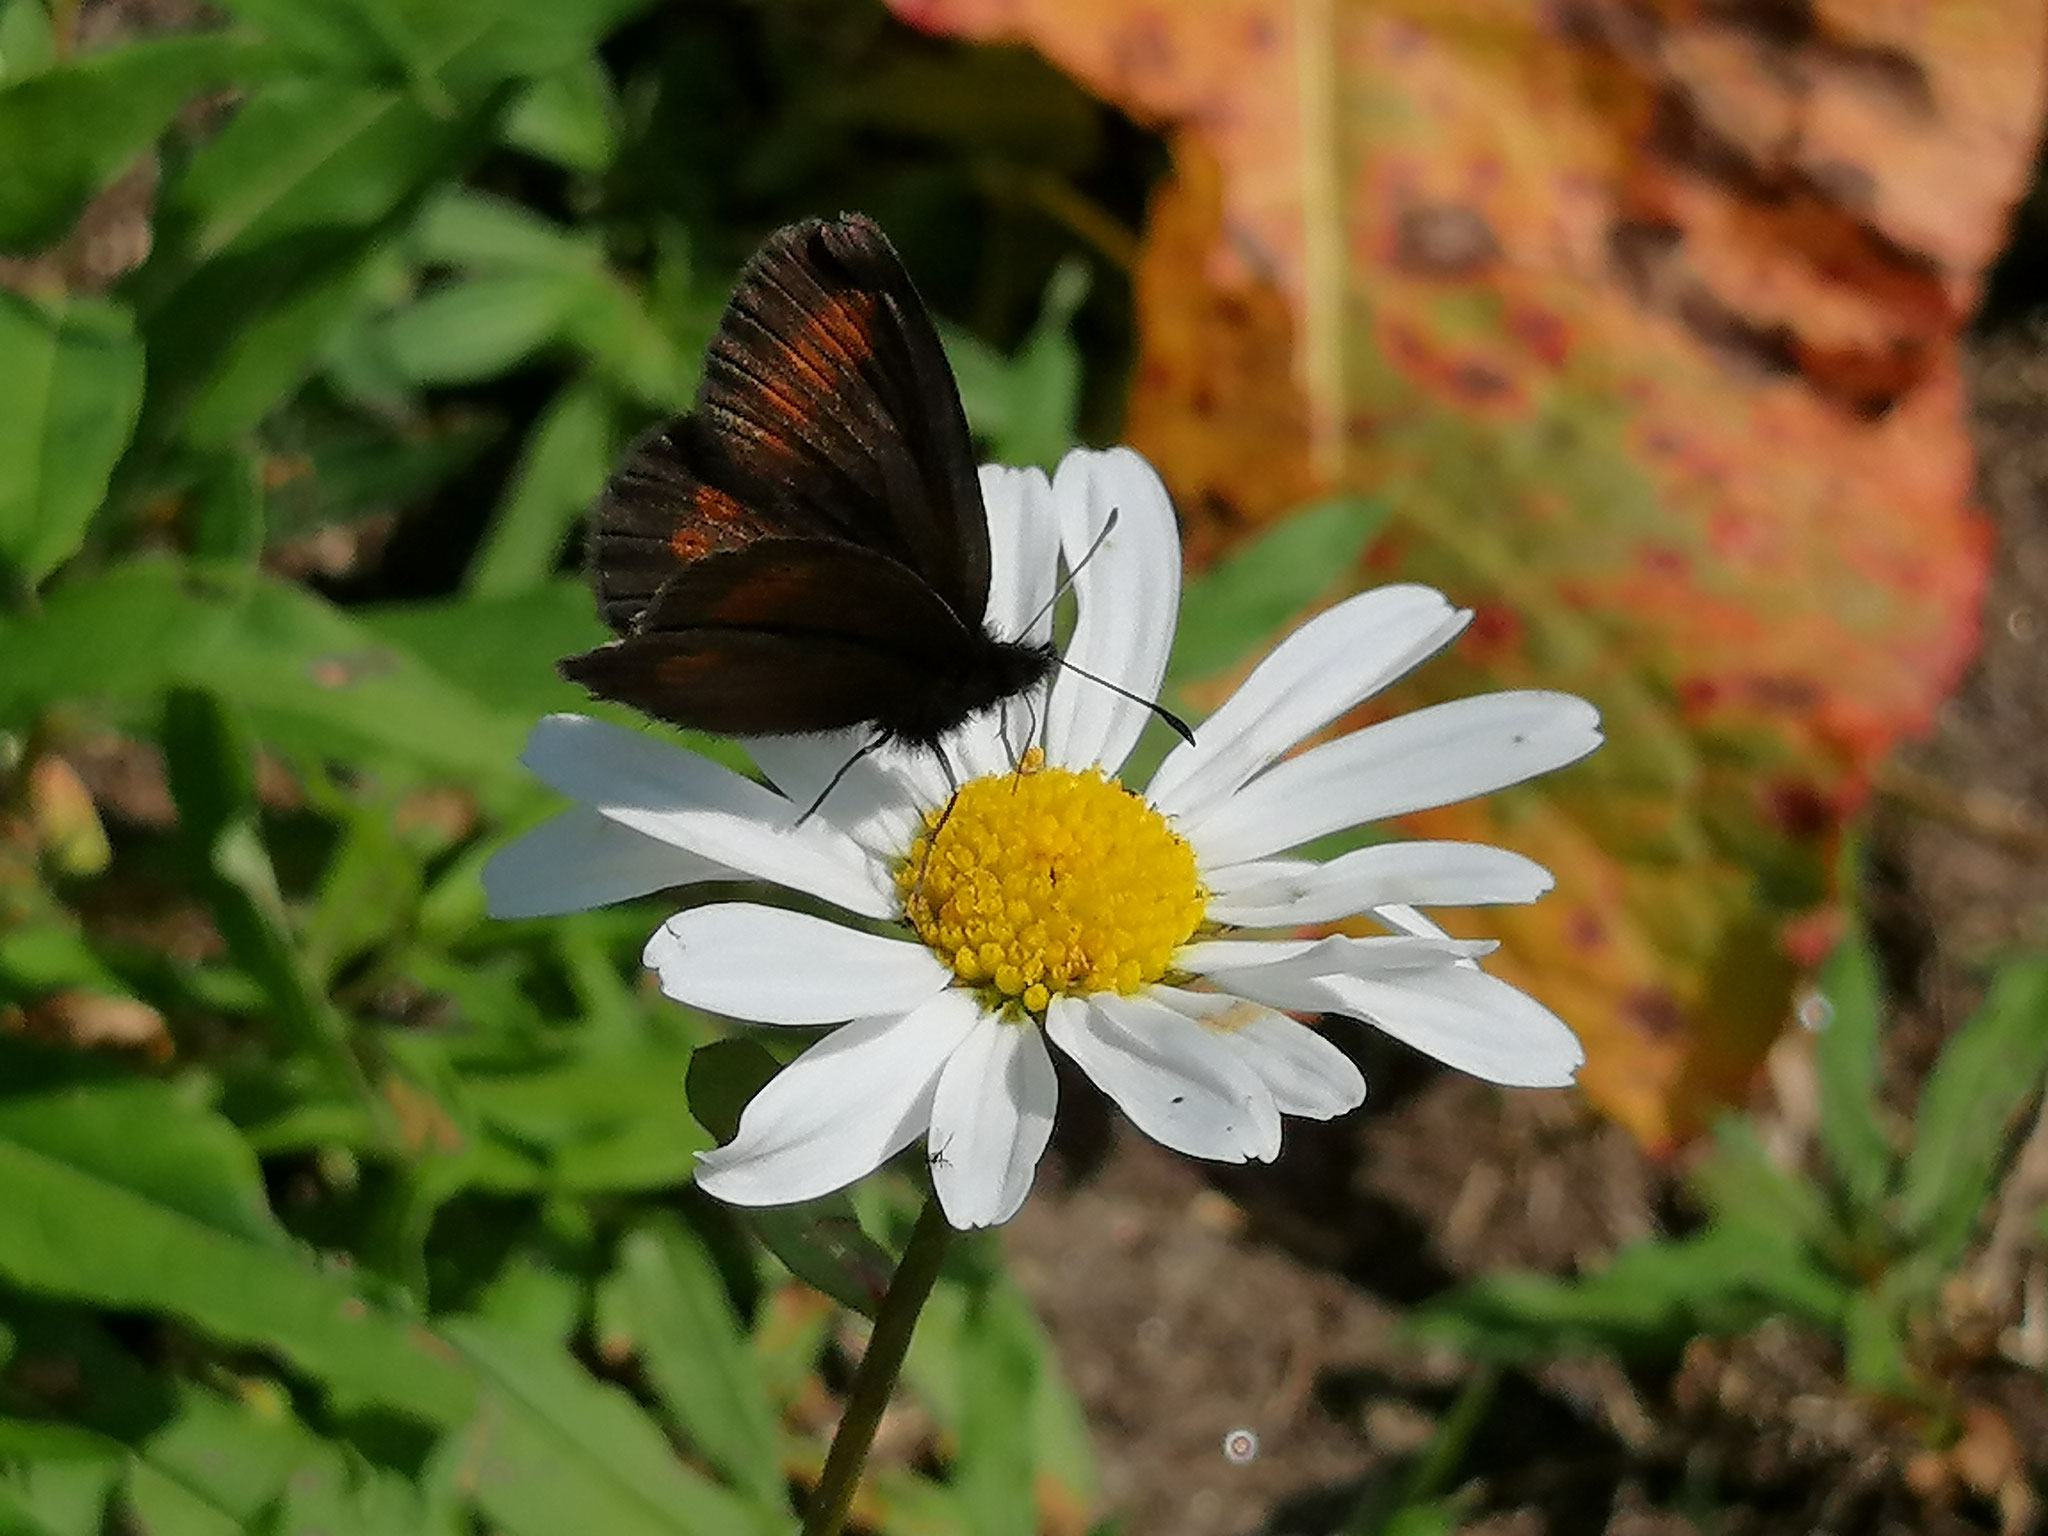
(844, 769)
(1178, 725)
(1066, 582)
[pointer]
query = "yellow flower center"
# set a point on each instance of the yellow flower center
(1045, 881)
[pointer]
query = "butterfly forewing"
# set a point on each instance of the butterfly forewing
(808, 548)
(828, 389)
(826, 410)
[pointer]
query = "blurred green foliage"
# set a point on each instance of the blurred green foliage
(1860, 1246)
(326, 1202)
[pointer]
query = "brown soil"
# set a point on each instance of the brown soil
(1189, 1302)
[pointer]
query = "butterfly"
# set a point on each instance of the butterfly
(807, 549)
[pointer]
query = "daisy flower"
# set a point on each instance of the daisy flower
(1149, 936)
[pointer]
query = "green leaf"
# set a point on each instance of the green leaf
(560, 472)
(312, 153)
(1026, 406)
(1987, 1073)
(27, 46)
(476, 328)
(40, 957)
(228, 514)
(310, 676)
(569, 117)
(987, 1325)
(210, 763)
(218, 1462)
(1645, 1304)
(668, 1302)
(1240, 606)
(368, 893)
(1846, 1060)
(264, 347)
(554, 1453)
(128, 1196)
(69, 130)
(1874, 1345)
(501, 650)
(69, 394)
(1747, 1191)
(724, 1077)
(330, 34)
(613, 1121)
(196, 1460)
(998, 1362)
(462, 227)
(57, 1498)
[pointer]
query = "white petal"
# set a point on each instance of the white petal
(1421, 874)
(1465, 1019)
(1403, 918)
(1179, 1084)
(840, 1110)
(1330, 665)
(1307, 1075)
(1281, 960)
(1127, 595)
(1432, 757)
(579, 860)
(991, 1118)
(692, 802)
(778, 967)
(873, 803)
(1024, 552)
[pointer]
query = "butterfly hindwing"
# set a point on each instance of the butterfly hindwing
(784, 636)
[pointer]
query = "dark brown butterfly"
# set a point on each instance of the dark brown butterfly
(807, 549)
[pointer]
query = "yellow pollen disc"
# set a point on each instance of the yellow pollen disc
(1045, 882)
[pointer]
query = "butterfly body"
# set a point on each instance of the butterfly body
(807, 550)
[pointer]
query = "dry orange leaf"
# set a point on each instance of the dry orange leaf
(1642, 316)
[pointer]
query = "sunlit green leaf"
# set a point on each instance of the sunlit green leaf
(463, 227)
(1238, 608)
(478, 327)
(569, 117)
(1846, 1057)
(1991, 1069)
(668, 1303)
(69, 392)
(561, 470)
(307, 153)
(502, 650)
(266, 350)
(999, 1364)
(556, 1453)
(27, 46)
(1025, 406)
(310, 676)
(69, 130)
(126, 1195)
(1646, 1303)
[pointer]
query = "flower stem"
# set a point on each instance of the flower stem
(876, 1379)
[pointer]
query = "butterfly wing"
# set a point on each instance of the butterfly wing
(827, 410)
(787, 636)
